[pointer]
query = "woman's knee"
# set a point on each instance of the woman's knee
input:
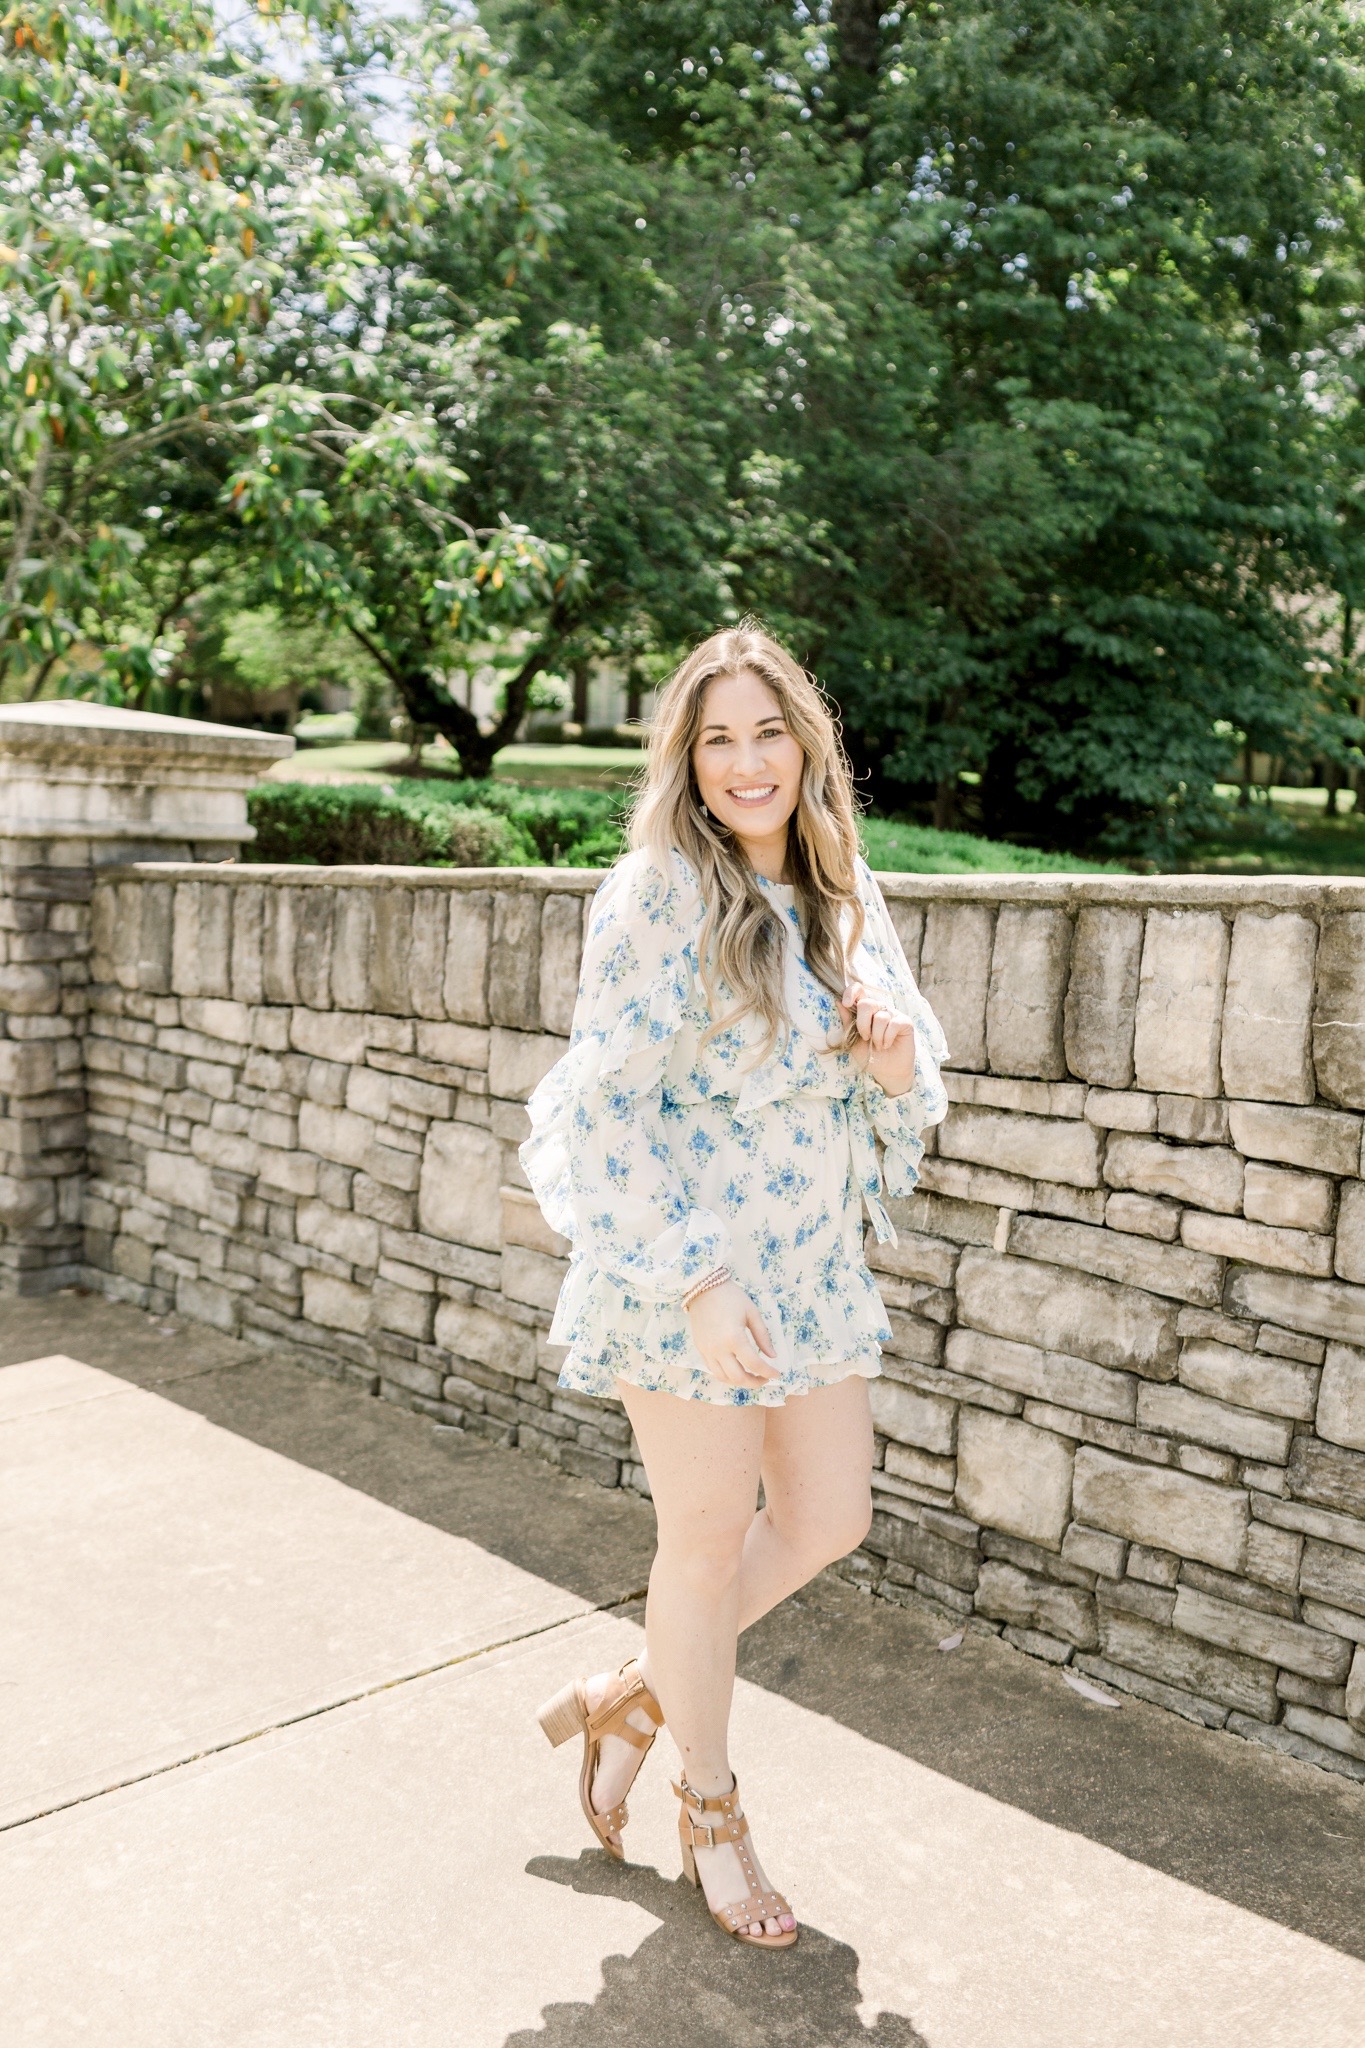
(707, 1557)
(839, 1527)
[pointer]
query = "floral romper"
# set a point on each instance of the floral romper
(659, 1162)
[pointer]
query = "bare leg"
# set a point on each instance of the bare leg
(703, 1462)
(817, 1492)
(721, 1565)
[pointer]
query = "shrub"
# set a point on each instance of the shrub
(362, 825)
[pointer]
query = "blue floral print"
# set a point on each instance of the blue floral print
(658, 1160)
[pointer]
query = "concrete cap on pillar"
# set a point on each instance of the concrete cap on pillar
(130, 783)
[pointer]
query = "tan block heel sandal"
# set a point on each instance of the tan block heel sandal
(737, 1918)
(568, 1714)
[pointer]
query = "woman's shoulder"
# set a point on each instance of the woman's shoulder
(636, 890)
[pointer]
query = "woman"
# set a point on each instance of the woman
(746, 1020)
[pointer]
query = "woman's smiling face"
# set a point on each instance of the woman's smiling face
(747, 764)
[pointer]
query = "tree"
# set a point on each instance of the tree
(1032, 333)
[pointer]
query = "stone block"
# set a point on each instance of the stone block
(1061, 1311)
(467, 951)
(33, 990)
(523, 1224)
(912, 1417)
(1350, 1249)
(1324, 1140)
(955, 976)
(1274, 1640)
(1143, 1216)
(980, 1186)
(1101, 998)
(1339, 1010)
(402, 1310)
(201, 952)
(1195, 1667)
(517, 1060)
(1042, 1375)
(337, 1134)
(1329, 1475)
(1290, 1251)
(1131, 1261)
(935, 1215)
(1026, 1601)
(1289, 1200)
(1034, 1147)
(514, 961)
(1180, 1002)
(1273, 1556)
(1332, 1574)
(205, 1302)
(336, 1304)
(915, 1257)
(1160, 1507)
(1267, 1012)
(392, 968)
(907, 921)
(1034, 1098)
(1355, 1691)
(248, 925)
(531, 1276)
(1094, 1550)
(921, 1469)
(427, 960)
(1193, 1119)
(1028, 980)
(561, 949)
(459, 1193)
(1153, 1567)
(336, 1231)
(1329, 1731)
(1014, 1477)
(454, 1045)
(354, 949)
(27, 1203)
(1209, 1176)
(1180, 1413)
(1120, 1110)
(1272, 1386)
(1320, 1308)
(477, 1333)
(1341, 1400)
(914, 1338)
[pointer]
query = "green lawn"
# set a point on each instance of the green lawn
(1291, 835)
(536, 767)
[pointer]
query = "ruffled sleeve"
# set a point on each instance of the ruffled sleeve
(900, 1120)
(598, 1158)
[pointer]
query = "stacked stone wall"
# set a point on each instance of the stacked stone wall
(1123, 1413)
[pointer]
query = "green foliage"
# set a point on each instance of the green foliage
(359, 825)
(434, 824)
(1025, 343)
(894, 847)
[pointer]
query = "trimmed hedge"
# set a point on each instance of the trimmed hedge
(425, 824)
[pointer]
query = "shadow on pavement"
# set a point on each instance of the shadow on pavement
(688, 1986)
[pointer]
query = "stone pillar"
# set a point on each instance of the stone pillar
(83, 786)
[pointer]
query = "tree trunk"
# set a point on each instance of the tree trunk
(945, 805)
(426, 705)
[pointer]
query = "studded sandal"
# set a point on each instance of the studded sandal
(568, 1714)
(734, 1919)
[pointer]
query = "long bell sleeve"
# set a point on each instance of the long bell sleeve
(901, 1120)
(598, 1157)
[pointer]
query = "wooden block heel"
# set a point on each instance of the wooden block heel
(568, 1714)
(562, 1716)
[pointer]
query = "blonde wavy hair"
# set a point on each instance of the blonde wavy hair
(741, 937)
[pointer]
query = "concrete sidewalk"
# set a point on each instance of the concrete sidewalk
(271, 1772)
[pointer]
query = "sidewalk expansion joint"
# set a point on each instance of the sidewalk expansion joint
(368, 1692)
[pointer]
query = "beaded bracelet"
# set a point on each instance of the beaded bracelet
(716, 1279)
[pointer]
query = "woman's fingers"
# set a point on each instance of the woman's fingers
(757, 1329)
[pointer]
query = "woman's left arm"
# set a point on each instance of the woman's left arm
(902, 1044)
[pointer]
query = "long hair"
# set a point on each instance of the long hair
(741, 938)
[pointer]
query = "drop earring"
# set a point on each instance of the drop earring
(705, 813)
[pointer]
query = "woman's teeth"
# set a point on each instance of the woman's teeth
(753, 796)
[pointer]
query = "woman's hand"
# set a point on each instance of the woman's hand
(728, 1332)
(886, 1050)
